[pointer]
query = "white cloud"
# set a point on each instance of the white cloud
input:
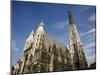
(92, 17)
(14, 45)
(85, 8)
(88, 32)
(90, 45)
(90, 52)
(91, 38)
(91, 59)
(61, 24)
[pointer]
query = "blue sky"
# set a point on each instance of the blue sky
(27, 15)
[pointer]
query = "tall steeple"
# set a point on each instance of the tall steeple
(75, 47)
(70, 18)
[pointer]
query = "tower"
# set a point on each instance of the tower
(38, 35)
(76, 49)
(31, 50)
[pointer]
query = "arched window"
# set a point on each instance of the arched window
(37, 39)
(36, 44)
(38, 35)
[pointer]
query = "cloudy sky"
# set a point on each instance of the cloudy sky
(27, 15)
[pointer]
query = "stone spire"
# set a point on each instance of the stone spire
(75, 47)
(70, 18)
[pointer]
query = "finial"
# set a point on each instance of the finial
(32, 32)
(41, 23)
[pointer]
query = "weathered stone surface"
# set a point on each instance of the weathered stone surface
(77, 52)
(44, 54)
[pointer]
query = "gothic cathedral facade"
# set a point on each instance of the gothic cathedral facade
(42, 53)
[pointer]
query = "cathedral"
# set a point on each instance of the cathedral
(42, 53)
